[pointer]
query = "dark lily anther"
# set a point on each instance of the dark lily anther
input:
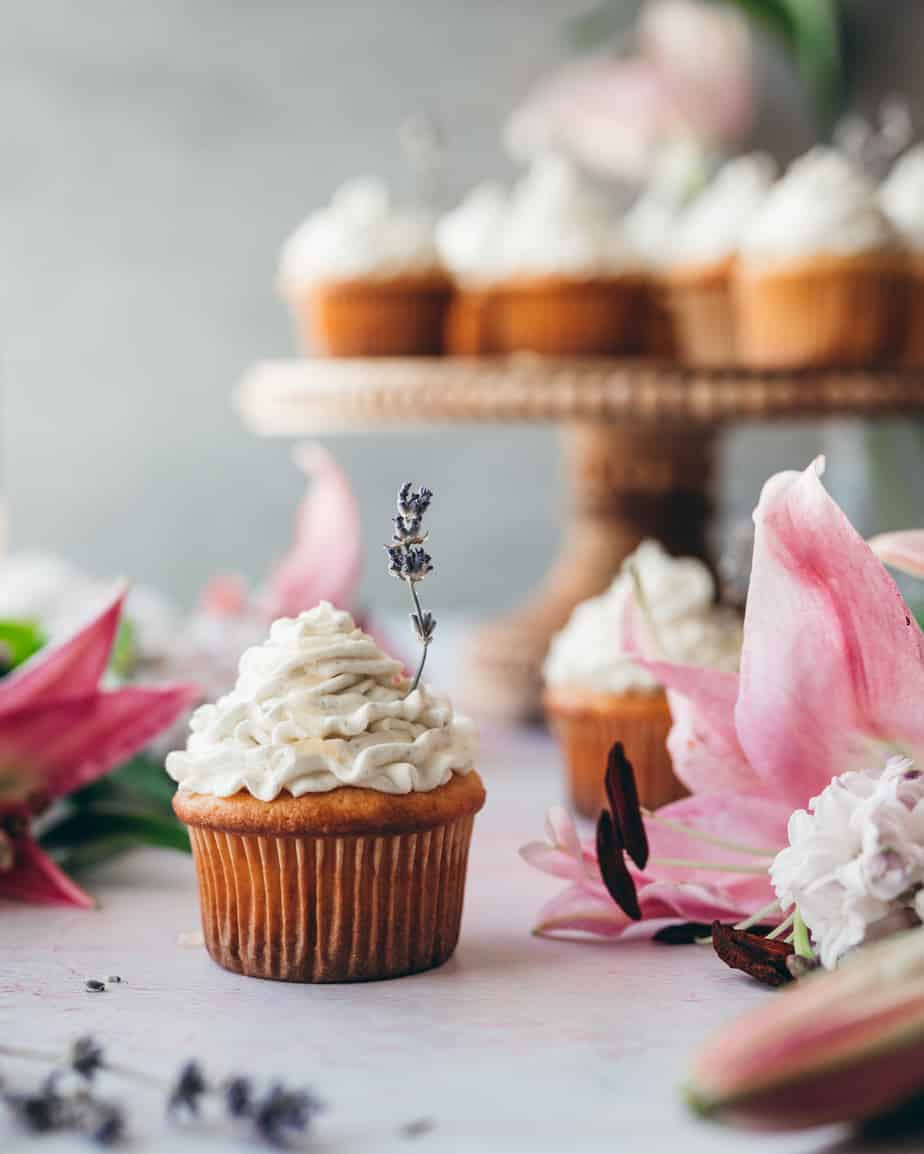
(188, 1090)
(238, 1097)
(622, 794)
(410, 562)
(613, 869)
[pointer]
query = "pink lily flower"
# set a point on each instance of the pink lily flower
(832, 679)
(60, 731)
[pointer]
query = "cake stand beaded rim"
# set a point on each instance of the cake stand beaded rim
(285, 398)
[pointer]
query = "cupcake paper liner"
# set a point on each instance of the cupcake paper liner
(400, 317)
(827, 311)
(702, 314)
(912, 345)
(332, 908)
(587, 726)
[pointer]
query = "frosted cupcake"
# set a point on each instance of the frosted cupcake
(570, 283)
(648, 228)
(902, 200)
(705, 243)
(469, 240)
(819, 279)
(330, 807)
(362, 277)
(596, 695)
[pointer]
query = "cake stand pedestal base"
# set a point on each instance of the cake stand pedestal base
(626, 483)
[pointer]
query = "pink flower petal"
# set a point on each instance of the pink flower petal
(577, 910)
(324, 561)
(36, 879)
(63, 745)
(66, 670)
(904, 551)
(225, 596)
(549, 859)
(832, 655)
(562, 832)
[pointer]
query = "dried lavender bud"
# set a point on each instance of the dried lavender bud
(239, 1097)
(38, 1112)
(94, 986)
(187, 1090)
(86, 1057)
(417, 1127)
(410, 562)
(281, 1113)
(107, 1124)
(114, 980)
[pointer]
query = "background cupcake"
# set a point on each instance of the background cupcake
(469, 240)
(902, 200)
(595, 694)
(551, 265)
(703, 249)
(330, 809)
(819, 278)
(363, 277)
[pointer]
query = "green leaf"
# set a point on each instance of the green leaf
(811, 32)
(19, 640)
(75, 859)
(139, 783)
(122, 657)
(85, 826)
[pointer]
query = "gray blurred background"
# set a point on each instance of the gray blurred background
(155, 156)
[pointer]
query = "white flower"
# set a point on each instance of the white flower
(856, 858)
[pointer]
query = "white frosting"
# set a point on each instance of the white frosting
(319, 706)
(711, 227)
(902, 197)
(822, 205)
(557, 224)
(469, 237)
(359, 234)
(588, 653)
(648, 228)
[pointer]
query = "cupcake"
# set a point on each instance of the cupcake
(468, 239)
(330, 809)
(704, 244)
(596, 695)
(902, 200)
(819, 277)
(648, 228)
(363, 278)
(545, 270)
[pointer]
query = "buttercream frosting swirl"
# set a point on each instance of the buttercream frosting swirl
(680, 593)
(469, 237)
(711, 227)
(361, 233)
(319, 706)
(823, 204)
(902, 197)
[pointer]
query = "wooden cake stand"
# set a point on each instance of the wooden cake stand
(640, 440)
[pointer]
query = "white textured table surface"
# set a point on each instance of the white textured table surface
(518, 1044)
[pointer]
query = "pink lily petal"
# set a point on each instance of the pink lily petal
(562, 832)
(703, 742)
(832, 655)
(70, 669)
(61, 746)
(579, 910)
(36, 879)
(904, 551)
(225, 596)
(552, 860)
(325, 560)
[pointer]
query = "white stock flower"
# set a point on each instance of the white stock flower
(855, 861)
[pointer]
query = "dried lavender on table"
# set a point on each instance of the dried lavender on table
(66, 1101)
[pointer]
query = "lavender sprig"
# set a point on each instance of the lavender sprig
(409, 561)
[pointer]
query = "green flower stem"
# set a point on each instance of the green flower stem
(801, 939)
